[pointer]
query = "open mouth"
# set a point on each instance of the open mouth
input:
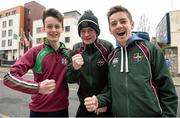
(53, 35)
(121, 33)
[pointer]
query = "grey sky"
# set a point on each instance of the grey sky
(153, 9)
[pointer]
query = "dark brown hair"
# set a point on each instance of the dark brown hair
(54, 13)
(119, 8)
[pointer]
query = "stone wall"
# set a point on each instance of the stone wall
(172, 54)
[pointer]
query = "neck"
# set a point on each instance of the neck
(55, 45)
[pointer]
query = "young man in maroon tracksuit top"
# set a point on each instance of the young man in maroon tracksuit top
(48, 61)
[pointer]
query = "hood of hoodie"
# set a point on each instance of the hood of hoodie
(124, 61)
(134, 37)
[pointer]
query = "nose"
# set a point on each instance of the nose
(86, 33)
(53, 28)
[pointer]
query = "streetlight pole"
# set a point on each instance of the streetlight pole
(172, 6)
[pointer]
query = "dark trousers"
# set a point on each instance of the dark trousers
(61, 113)
(82, 112)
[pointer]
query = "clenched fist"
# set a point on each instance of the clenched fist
(47, 86)
(77, 61)
(91, 103)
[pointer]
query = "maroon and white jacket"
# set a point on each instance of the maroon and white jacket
(52, 65)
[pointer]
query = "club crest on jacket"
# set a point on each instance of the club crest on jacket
(115, 62)
(137, 57)
(64, 61)
(100, 62)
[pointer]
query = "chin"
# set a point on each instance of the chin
(53, 40)
(87, 42)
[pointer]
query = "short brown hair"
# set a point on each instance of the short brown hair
(54, 13)
(119, 8)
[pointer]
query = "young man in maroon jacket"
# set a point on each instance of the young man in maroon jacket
(48, 61)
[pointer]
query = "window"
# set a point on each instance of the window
(67, 28)
(9, 42)
(4, 33)
(29, 11)
(38, 40)
(10, 22)
(67, 39)
(3, 24)
(13, 12)
(38, 29)
(3, 43)
(10, 32)
(8, 13)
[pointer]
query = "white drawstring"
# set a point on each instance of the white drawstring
(127, 69)
(122, 58)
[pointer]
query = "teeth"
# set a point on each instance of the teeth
(121, 33)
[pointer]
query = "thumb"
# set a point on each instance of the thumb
(50, 80)
(95, 100)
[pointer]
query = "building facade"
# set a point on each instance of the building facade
(168, 36)
(21, 28)
(11, 24)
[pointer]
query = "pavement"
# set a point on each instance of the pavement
(176, 80)
(4, 116)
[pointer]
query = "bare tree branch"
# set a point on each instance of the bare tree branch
(144, 24)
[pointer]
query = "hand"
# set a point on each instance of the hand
(77, 61)
(101, 110)
(47, 86)
(91, 103)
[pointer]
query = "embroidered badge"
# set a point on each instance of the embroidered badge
(64, 61)
(100, 62)
(137, 57)
(115, 62)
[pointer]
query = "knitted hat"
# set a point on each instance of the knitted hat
(88, 19)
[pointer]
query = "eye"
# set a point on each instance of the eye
(57, 26)
(82, 31)
(91, 30)
(49, 26)
(113, 23)
(123, 22)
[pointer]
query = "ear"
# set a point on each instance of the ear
(132, 25)
(43, 28)
(62, 29)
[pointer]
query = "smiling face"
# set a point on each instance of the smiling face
(120, 27)
(88, 35)
(53, 27)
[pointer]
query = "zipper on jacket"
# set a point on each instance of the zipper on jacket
(89, 70)
(127, 93)
(124, 69)
(57, 57)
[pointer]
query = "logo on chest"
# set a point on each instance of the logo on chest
(100, 62)
(137, 57)
(115, 62)
(64, 61)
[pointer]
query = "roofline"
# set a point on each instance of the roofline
(73, 11)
